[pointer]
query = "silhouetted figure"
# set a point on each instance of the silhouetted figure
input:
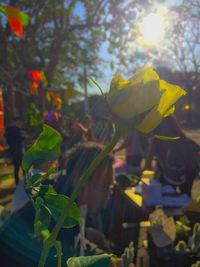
(133, 150)
(178, 160)
(14, 139)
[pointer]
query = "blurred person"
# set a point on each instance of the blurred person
(133, 151)
(77, 160)
(103, 130)
(94, 197)
(95, 193)
(15, 140)
(78, 132)
(88, 123)
(177, 160)
(73, 135)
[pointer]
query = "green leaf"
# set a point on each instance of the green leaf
(45, 233)
(44, 79)
(46, 189)
(2, 9)
(39, 177)
(42, 218)
(161, 137)
(90, 261)
(24, 18)
(184, 219)
(34, 179)
(45, 148)
(56, 203)
(97, 85)
(48, 96)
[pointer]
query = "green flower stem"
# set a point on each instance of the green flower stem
(82, 181)
(46, 248)
(58, 247)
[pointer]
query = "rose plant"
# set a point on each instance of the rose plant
(140, 102)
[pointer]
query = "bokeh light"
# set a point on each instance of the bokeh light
(186, 107)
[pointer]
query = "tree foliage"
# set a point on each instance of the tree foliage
(182, 47)
(62, 36)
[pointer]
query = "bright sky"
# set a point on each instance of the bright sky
(154, 21)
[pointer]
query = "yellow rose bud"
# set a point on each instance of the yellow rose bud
(146, 94)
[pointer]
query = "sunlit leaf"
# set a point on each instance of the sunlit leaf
(45, 148)
(44, 79)
(35, 116)
(45, 233)
(2, 9)
(56, 204)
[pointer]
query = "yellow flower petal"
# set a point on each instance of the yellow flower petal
(150, 122)
(118, 82)
(142, 93)
(134, 100)
(171, 94)
(169, 112)
(144, 75)
(165, 108)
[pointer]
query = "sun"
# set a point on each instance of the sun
(152, 28)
